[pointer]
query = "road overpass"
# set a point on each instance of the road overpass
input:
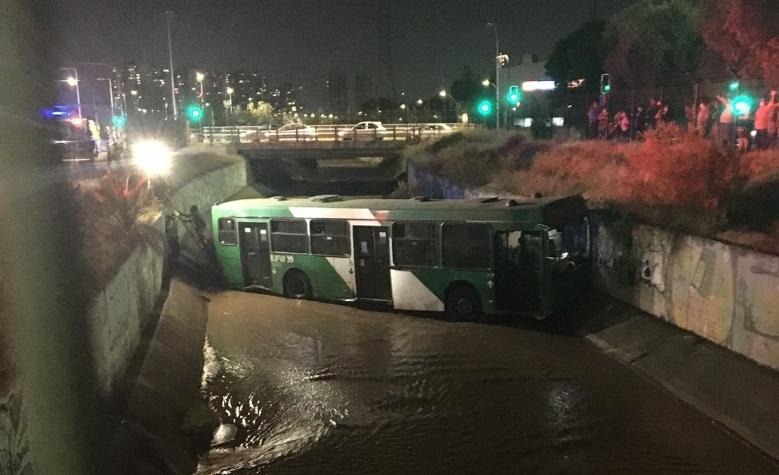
(291, 168)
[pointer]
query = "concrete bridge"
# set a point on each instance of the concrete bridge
(370, 168)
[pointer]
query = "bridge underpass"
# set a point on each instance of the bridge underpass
(347, 168)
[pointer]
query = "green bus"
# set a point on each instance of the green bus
(464, 257)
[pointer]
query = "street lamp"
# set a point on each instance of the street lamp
(73, 81)
(110, 93)
(486, 83)
(200, 77)
(497, 74)
(442, 95)
(168, 17)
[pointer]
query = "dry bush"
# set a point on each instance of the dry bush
(760, 166)
(110, 209)
(674, 168)
(673, 179)
(469, 158)
(587, 168)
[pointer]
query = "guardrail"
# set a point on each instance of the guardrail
(321, 133)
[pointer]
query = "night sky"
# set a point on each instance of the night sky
(303, 41)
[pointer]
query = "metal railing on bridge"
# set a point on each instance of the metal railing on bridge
(323, 133)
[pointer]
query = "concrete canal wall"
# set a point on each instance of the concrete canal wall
(123, 308)
(121, 311)
(724, 293)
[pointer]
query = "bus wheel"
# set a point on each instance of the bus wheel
(297, 285)
(463, 303)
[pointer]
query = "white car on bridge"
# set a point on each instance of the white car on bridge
(291, 133)
(432, 131)
(365, 131)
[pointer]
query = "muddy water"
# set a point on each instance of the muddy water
(317, 388)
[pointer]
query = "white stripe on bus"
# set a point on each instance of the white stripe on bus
(362, 214)
(345, 269)
(409, 293)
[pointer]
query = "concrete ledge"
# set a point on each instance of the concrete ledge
(151, 439)
(727, 387)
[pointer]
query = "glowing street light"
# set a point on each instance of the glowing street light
(73, 81)
(200, 77)
(486, 83)
(442, 93)
(403, 107)
(420, 102)
(153, 158)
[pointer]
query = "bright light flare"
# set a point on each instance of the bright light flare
(530, 86)
(152, 157)
(486, 83)
(71, 81)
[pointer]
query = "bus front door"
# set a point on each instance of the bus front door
(519, 272)
(372, 263)
(255, 255)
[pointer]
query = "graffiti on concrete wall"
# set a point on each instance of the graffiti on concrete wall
(14, 448)
(422, 183)
(724, 293)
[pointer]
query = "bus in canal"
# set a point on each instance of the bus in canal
(463, 257)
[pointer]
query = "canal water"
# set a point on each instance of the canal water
(307, 387)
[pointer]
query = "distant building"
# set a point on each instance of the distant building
(143, 89)
(527, 68)
(535, 109)
(363, 90)
(248, 86)
(337, 94)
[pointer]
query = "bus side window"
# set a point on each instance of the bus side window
(415, 244)
(330, 238)
(289, 235)
(466, 246)
(228, 236)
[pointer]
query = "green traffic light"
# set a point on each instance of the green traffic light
(485, 107)
(743, 105)
(119, 121)
(734, 85)
(514, 96)
(194, 113)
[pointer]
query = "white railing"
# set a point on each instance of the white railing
(320, 133)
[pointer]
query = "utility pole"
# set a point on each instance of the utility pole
(168, 16)
(497, 74)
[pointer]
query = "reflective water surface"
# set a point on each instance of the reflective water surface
(312, 387)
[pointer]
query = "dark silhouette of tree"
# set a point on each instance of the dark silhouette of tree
(578, 56)
(654, 42)
(467, 89)
(746, 34)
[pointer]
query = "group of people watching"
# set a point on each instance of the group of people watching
(718, 119)
(625, 125)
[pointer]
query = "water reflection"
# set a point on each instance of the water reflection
(311, 386)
